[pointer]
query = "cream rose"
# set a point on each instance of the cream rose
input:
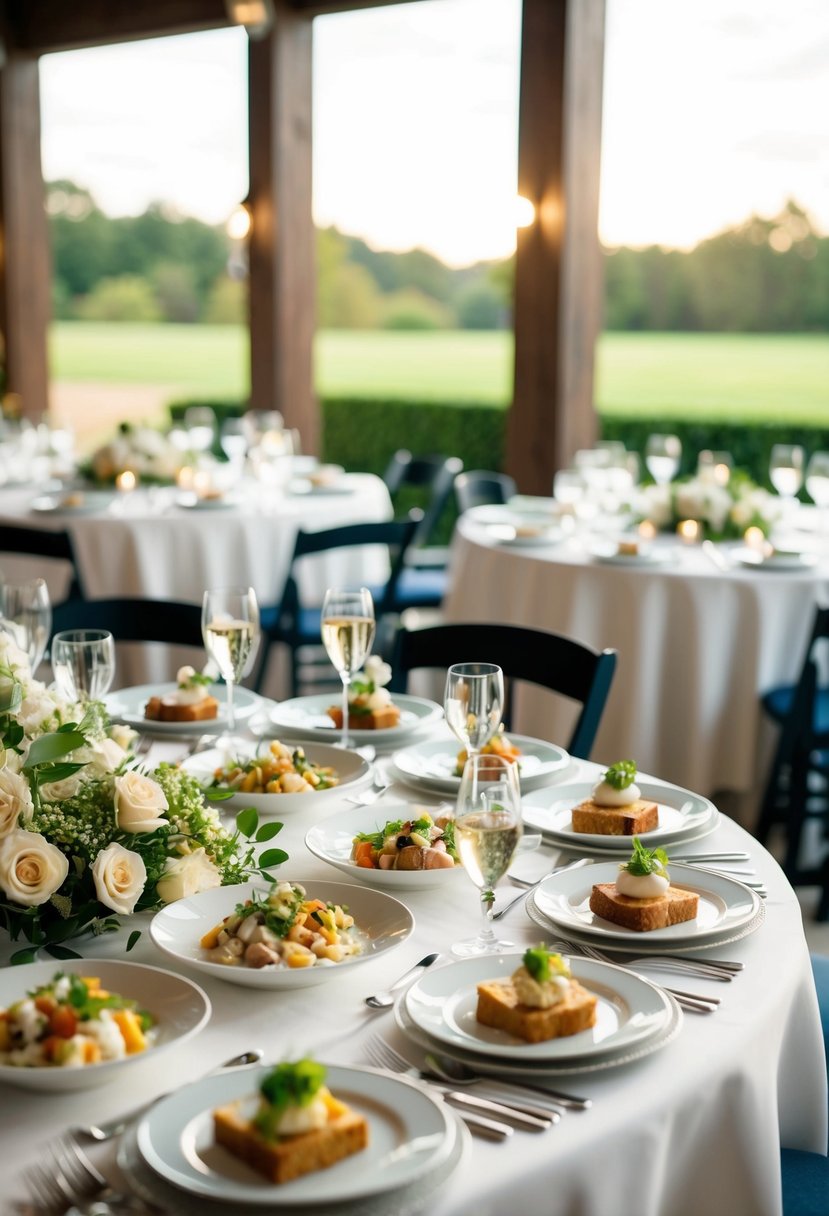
(139, 803)
(105, 756)
(187, 875)
(58, 791)
(120, 876)
(15, 798)
(31, 869)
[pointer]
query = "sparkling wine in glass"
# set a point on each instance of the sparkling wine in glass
(347, 634)
(200, 422)
(487, 832)
(83, 663)
(230, 628)
(26, 614)
(473, 703)
(662, 457)
(786, 469)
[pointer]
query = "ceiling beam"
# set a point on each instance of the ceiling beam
(40, 27)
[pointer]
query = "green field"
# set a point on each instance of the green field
(734, 376)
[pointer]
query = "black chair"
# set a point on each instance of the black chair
(479, 488)
(297, 625)
(547, 659)
(41, 542)
(132, 620)
(797, 789)
(424, 580)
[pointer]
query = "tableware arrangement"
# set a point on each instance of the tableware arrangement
(473, 703)
(179, 1007)
(608, 555)
(776, 560)
(306, 718)
(83, 663)
(347, 633)
(431, 765)
(26, 614)
(383, 923)
(127, 705)
(230, 628)
(80, 502)
(786, 469)
(662, 456)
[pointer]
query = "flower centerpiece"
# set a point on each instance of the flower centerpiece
(141, 450)
(723, 511)
(85, 836)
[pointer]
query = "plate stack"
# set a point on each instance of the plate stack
(431, 766)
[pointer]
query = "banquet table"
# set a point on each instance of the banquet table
(694, 1127)
(697, 644)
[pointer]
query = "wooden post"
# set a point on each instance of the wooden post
(282, 249)
(558, 261)
(24, 239)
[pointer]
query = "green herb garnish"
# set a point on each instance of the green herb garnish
(197, 678)
(544, 964)
(287, 1085)
(278, 924)
(646, 861)
(621, 774)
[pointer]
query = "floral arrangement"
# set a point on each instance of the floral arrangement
(84, 834)
(723, 511)
(141, 450)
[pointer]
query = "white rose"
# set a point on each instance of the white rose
(123, 735)
(37, 710)
(377, 671)
(59, 791)
(139, 803)
(31, 869)
(184, 876)
(120, 876)
(106, 755)
(15, 798)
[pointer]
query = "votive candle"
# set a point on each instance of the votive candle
(688, 530)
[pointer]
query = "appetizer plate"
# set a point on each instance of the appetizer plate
(193, 502)
(332, 839)
(179, 1006)
(305, 718)
(431, 765)
(649, 557)
(410, 1134)
(80, 502)
(351, 768)
(525, 536)
(780, 561)
(681, 815)
(127, 705)
(442, 1004)
(724, 905)
(383, 921)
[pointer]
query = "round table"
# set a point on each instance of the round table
(697, 645)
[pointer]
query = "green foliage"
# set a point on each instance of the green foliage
(480, 306)
(175, 292)
(411, 308)
(227, 303)
(125, 298)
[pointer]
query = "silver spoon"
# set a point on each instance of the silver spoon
(385, 998)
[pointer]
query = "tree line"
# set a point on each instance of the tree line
(766, 275)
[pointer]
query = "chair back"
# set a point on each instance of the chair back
(42, 542)
(547, 659)
(131, 620)
(479, 487)
(436, 474)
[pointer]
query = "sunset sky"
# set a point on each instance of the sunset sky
(713, 109)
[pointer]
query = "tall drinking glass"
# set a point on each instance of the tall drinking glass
(26, 614)
(473, 702)
(200, 423)
(83, 663)
(662, 457)
(786, 469)
(230, 628)
(347, 634)
(817, 486)
(487, 831)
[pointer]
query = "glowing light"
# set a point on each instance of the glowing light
(238, 226)
(688, 531)
(646, 530)
(755, 539)
(524, 212)
(126, 481)
(185, 477)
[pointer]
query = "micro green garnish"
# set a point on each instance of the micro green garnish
(88, 1005)
(279, 925)
(646, 861)
(449, 839)
(197, 678)
(621, 774)
(543, 964)
(287, 1085)
(392, 828)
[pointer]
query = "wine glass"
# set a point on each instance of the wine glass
(230, 628)
(817, 485)
(662, 456)
(487, 831)
(83, 663)
(786, 469)
(26, 614)
(200, 423)
(347, 634)
(234, 440)
(473, 703)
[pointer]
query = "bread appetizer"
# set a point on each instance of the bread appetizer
(642, 897)
(370, 706)
(191, 702)
(615, 807)
(539, 1001)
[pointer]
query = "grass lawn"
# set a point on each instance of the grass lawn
(727, 376)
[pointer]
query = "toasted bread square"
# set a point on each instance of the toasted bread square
(162, 709)
(643, 915)
(498, 1007)
(631, 820)
(378, 719)
(291, 1156)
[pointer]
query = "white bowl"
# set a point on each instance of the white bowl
(178, 928)
(179, 1006)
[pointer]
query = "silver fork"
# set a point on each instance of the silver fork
(693, 1002)
(380, 783)
(68, 1177)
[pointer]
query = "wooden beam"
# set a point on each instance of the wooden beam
(558, 262)
(25, 273)
(43, 26)
(282, 248)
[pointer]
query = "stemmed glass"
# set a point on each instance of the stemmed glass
(200, 422)
(473, 702)
(26, 614)
(817, 484)
(347, 634)
(786, 470)
(83, 663)
(234, 440)
(662, 457)
(487, 831)
(230, 628)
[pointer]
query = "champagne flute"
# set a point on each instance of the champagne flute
(347, 634)
(817, 486)
(83, 663)
(487, 832)
(786, 470)
(200, 423)
(473, 703)
(230, 628)
(26, 614)
(662, 456)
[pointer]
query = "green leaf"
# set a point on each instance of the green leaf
(11, 698)
(24, 956)
(267, 832)
(133, 938)
(48, 773)
(247, 821)
(214, 795)
(52, 747)
(272, 857)
(61, 952)
(621, 774)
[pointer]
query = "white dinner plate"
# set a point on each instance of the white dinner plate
(789, 560)
(180, 1009)
(628, 1011)
(305, 718)
(525, 536)
(724, 905)
(610, 556)
(331, 840)
(350, 767)
(382, 921)
(681, 815)
(409, 1135)
(431, 765)
(194, 502)
(73, 502)
(127, 705)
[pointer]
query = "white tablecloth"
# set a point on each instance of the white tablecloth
(697, 645)
(694, 1128)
